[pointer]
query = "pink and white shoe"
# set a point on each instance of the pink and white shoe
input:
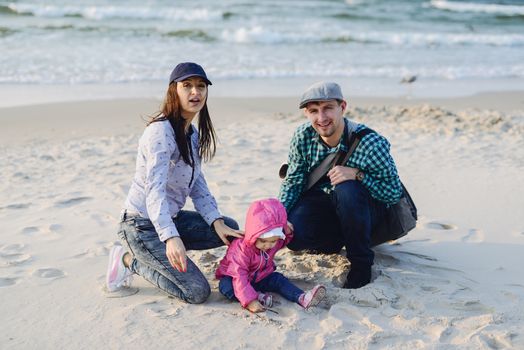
(312, 297)
(265, 299)
(118, 275)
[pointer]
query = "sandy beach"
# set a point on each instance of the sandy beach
(455, 282)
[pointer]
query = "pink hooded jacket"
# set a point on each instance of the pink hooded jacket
(244, 262)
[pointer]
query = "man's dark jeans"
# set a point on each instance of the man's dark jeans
(344, 218)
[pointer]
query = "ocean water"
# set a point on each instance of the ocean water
(131, 41)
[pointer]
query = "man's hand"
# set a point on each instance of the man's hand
(176, 253)
(223, 231)
(341, 173)
(255, 306)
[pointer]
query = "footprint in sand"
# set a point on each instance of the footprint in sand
(241, 142)
(72, 201)
(302, 268)
(56, 227)
(47, 157)
(12, 248)
(498, 341)
(90, 152)
(21, 175)
(121, 293)
(17, 206)
(101, 248)
(49, 273)
(473, 236)
(372, 297)
(343, 316)
(473, 325)
(470, 306)
(325, 263)
(30, 230)
(51, 232)
(430, 289)
(161, 310)
(12, 255)
(7, 281)
(92, 252)
(440, 226)
(447, 334)
(7, 260)
(208, 257)
(101, 219)
(224, 183)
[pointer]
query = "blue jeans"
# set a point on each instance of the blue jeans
(275, 282)
(345, 218)
(149, 254)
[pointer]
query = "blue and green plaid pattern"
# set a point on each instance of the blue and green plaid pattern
(371, 156)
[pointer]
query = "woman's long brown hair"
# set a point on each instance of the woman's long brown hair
(171, 111)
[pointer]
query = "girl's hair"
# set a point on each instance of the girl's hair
(171, 111)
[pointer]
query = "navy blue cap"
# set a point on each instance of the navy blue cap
(187, 70)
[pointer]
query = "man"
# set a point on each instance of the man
(344, 206)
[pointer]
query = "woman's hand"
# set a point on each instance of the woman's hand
(176, 253)
(255, 306)
(223, 231)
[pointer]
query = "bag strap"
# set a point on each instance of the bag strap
(329, 162)
(338, 158)
(322, 169)
(356, 137)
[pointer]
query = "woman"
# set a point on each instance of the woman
(154, 230)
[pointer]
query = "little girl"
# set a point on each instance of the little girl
(247, 271)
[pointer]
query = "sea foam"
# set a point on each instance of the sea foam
(108, 12)
(507, 10)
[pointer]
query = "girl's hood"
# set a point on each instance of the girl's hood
(262, 216)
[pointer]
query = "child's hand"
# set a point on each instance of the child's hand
(255, 306)
(289, 228)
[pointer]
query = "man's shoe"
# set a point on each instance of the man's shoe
(358, 276)
(118, 275)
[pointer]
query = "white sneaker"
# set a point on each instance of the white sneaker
(118, 275)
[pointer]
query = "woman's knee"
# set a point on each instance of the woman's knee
(198, 294)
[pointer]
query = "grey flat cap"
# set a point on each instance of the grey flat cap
(321, 91)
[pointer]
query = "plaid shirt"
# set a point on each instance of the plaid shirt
(371, 156)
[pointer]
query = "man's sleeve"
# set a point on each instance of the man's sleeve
(381, 177)
(296, 177)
